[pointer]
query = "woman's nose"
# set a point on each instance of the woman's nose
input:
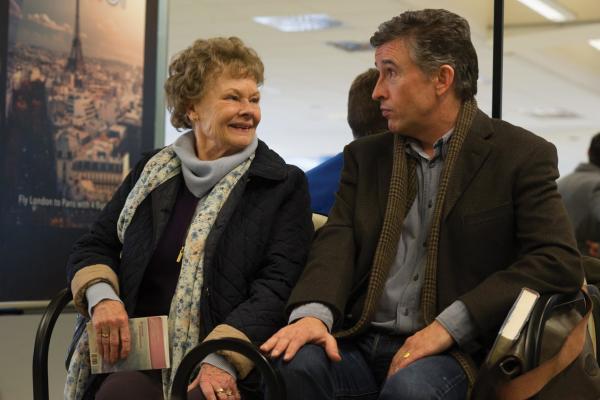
(247, 108)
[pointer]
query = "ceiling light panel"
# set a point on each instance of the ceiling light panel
(551, 113)
(549, 9)
(299, 23)
(351, 46)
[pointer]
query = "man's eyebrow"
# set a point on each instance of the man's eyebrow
(386, 62)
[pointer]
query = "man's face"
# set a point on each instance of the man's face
(406, 94)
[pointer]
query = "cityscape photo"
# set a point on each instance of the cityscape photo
(74, 106)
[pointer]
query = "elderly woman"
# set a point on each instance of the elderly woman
(212, 231)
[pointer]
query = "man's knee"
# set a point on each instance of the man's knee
(310, 360)
(431, 378)
(402, 386)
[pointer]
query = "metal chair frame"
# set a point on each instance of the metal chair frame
(273, 382)
(42, 343)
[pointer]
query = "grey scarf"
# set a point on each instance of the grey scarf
(200, 176)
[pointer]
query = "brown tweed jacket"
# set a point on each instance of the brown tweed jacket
(503, 227)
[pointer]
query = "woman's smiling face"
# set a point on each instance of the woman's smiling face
(225, 119)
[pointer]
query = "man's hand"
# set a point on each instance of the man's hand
(431, 340)
(111, 324)
(215, 383)
(289, 339)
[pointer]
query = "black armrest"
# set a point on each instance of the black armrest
(543, 310)
(42, 343)
(273, 382)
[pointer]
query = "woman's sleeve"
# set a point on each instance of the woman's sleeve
(95, 256)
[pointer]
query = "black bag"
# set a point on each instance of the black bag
(553, 358)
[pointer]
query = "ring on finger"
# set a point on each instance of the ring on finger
(105, 335)
(219, 390)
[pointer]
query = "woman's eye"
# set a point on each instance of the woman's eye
(232, 97)
(255, 100)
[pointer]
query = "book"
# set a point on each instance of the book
(149, 347)
(513, 324)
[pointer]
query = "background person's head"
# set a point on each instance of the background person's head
(212, 88)
(364, 115)
(435, 38)
(594, 150)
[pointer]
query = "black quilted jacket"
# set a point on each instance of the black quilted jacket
(254, 253)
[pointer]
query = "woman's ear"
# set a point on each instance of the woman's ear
(191, 114)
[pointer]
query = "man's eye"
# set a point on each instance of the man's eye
(255, 100)
(232, 97)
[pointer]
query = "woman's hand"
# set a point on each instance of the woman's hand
(215, 383)
(111, 323)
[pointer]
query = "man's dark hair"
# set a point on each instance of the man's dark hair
(594, 151)
(435, 38)
(364, 115)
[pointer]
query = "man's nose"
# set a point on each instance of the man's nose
(378, 91)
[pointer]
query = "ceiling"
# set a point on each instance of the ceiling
(551, 73)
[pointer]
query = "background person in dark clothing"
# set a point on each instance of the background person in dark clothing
(364, 118)
(580, 191)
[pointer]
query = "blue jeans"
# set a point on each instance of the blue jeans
(361, 375)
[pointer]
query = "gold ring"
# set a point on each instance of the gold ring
(406, 355)
(104, 335)
(219, 390)
(228, 393)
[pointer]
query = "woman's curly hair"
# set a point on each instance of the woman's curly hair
(192, 70)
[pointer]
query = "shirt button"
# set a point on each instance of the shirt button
(424, 244)
(432, 164)
(430, 204)
(416, 277)
(406, 312)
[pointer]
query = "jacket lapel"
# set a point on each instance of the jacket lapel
(473, 154)
(384, 174)
(163, 199)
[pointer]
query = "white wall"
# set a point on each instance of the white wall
(17, 336)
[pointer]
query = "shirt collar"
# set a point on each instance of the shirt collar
(440, 147)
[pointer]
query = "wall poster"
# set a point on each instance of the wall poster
(78, 86)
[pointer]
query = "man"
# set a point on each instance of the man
(581, 193)
(436, 228)
(364, 119)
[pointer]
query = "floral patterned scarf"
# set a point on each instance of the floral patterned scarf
(184, 314)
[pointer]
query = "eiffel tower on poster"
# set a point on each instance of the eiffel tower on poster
(75, 60)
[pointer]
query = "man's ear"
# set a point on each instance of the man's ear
(444, 79)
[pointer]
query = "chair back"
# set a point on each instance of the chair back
(275, 389)
(42, 343)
